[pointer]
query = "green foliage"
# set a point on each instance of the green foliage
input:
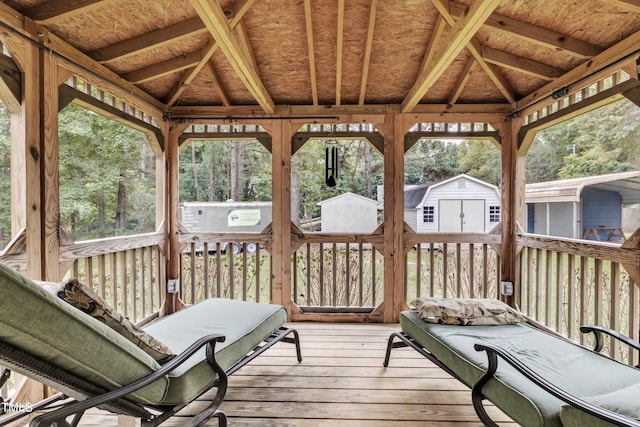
(205, 171)
(99, 157)
(5, 176)
(309, 164)
(431, 160)
(600, 142)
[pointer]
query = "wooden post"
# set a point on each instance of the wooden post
(170, 168)
(50, 143)
(393, 217)
(512, 202)
(282, 132)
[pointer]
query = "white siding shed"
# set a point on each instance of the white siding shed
(349, 213)
(461, 204)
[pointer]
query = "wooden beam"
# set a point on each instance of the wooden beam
(56, 10)
(214, 19)
(633, 95)
(165, 68)
(10, 84)
(73, 58)
(436, 112)
(534, 34)
(632, 5)
(217, 83)
(312, 59)
(438, 28)
(476, 50)
(520, 64)
(373, 7)
(460, 35)
(615, 53)
(591, 103)
(340, 39)
(462, 82)
(243, 38)
(67, 93)
(207, 52)
(149, 41)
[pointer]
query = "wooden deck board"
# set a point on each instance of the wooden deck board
(340, 382)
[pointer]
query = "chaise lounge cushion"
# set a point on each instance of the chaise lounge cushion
(624, 401)
(557, 360)
(85, 299)
(38, 322)
(244, 324)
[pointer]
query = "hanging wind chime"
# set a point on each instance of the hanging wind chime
(331, 163)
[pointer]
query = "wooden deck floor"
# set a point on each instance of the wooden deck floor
(341, 382)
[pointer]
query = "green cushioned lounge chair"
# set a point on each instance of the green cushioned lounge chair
(535, 377)
(92, 365)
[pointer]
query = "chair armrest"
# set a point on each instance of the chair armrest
(59, 415)
(599, 332)
(493, 352)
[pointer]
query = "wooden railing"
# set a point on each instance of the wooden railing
(566, 283)
(127, 272)
(336, 272)
(456, 265)
(236, 266)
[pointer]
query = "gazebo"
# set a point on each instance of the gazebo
(284, 72)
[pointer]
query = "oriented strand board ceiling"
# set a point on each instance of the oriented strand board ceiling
(268, 53)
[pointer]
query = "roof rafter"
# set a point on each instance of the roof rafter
(312, 59)
(218, 85)
(373, 8)
(164, 68)
(462, 82)
(520, 64)
(217, 24)
(149, 41)
(632, 5)
(438, 29)
(461, 34)
(207, 52)
(534, 34)
(339, 51)
(61, 9)
(616, 53)
(476, 50)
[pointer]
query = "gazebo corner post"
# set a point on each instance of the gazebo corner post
(394, 283)
(168, 203)
(282, 133)
(513, 183)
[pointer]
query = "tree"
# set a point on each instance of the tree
(107, 176)
(5, 176)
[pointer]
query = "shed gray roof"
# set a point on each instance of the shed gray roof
(414, 195)
(569, 190)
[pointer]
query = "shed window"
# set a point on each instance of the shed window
(494, 213)
(427, 213)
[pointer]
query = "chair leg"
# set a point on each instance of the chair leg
(222, 419)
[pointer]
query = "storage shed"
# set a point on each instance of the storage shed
(589, 207)
(348, 213)
(454, 205)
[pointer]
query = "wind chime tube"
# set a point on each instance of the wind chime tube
(335, 162)
(326, 165)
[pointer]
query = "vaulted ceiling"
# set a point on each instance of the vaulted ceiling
(266, 54)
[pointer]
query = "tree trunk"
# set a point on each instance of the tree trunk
(101, 214)
(367, 170)
(212, 181)
(295, 192)
(121, 205)
(235, 177)
(195, 171)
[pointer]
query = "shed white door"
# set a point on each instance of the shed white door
(461, 216)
